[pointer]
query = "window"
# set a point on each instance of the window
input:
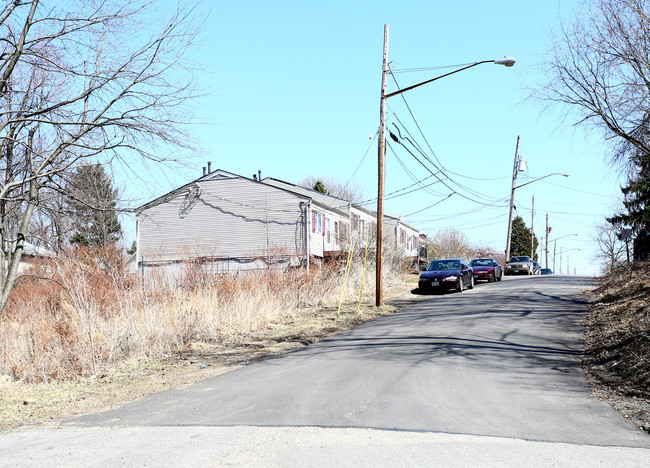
(355, 222)
(327, 225)
(343, 231)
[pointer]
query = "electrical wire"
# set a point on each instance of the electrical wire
(442, 181)
(438, 167)
(362, 159)
(430, 206)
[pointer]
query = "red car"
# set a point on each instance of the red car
(487, 269)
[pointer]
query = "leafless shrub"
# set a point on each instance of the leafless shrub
(92, 313)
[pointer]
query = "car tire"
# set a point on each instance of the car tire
(492, 278)
(460, 285)
(499, 278)
(471, 282)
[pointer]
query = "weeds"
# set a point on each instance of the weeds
(91, 314)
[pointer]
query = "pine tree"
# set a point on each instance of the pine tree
(520, 239)
(92, 206)
(319, 186)
(637, 208)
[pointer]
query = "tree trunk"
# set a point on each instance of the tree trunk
(12, 272)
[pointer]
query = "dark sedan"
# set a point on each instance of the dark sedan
(447, 274)
(487, 269)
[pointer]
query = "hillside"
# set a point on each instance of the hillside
(617, 342)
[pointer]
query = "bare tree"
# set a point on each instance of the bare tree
(450, 243)
(600, 67)
(611, 248)
(89, 81)
(350, 192)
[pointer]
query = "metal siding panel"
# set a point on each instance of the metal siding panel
(230, 218)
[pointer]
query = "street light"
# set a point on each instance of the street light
(567, 260)
(506, 61)
(512, 193)
(554, 240)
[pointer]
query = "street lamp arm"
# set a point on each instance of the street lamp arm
(563, 174)
(508, 62)
(562, 237)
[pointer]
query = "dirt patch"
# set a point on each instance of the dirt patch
(31, 404)
(616, 354)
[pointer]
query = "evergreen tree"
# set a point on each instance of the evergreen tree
(520, 239)
(92, 206)
(319, 186)
(637, 208)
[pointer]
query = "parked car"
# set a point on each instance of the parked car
(537, 268)
(519, 265)
(546, 271)
(447, 274)
(487, 269)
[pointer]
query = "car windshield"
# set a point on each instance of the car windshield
(481, 262)
(444, 265)
(520, 259)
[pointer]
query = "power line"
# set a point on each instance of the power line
(362, 159)
(430, 206)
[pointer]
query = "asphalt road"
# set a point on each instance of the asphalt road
(489, 376)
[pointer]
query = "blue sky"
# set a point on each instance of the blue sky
(293, 90)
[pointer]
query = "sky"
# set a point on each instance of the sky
(292, 89)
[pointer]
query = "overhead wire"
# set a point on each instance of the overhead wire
(362, 159)
(438, 166)
(441, 180)
(430, 206)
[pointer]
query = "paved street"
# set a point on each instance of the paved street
(489, 376)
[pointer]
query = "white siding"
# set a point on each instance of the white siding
(402, 235)
(229, 217)
(321, 240)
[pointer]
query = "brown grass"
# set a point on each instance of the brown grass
(91, 315)
(617, 341)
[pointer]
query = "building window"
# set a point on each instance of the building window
(327, 226)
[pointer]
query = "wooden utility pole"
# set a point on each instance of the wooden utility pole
(547, 233)
(512, 198)
(380, 179)
(532, 232)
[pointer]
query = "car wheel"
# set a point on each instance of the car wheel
(471, 282)
(492, 278)
(460, 285)
(499, 278)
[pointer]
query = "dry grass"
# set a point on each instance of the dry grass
(72, 343)
(617, 341)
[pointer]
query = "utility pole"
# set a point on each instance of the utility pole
(554, 250)
(512, 198)
(547, 233)
(379, 293)
(532, 232)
